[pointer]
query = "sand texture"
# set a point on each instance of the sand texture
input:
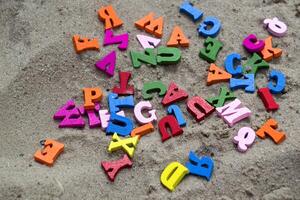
(40, 71)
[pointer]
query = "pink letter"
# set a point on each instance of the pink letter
(275, 27)
(148, 42)
(233, 112)
(105, 116)
(244, 138)
(144, 105)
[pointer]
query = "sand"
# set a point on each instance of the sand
(40, 71)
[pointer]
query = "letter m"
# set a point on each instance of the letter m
(233, 112)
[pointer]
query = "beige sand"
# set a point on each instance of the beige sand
(40, 71)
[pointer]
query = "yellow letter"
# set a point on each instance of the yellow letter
(128, 144)
(173, 174)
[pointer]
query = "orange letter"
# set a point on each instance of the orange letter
(269, 128)
(110, 17)
(91, 95)
(150, 25)
(142, 130)
(178, 38)
(81, 44)
(51, 151)
(269, 52)
(216, 75)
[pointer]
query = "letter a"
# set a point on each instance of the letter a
(178, 38)
(216, 75)
(107, 63)
(173, 95)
